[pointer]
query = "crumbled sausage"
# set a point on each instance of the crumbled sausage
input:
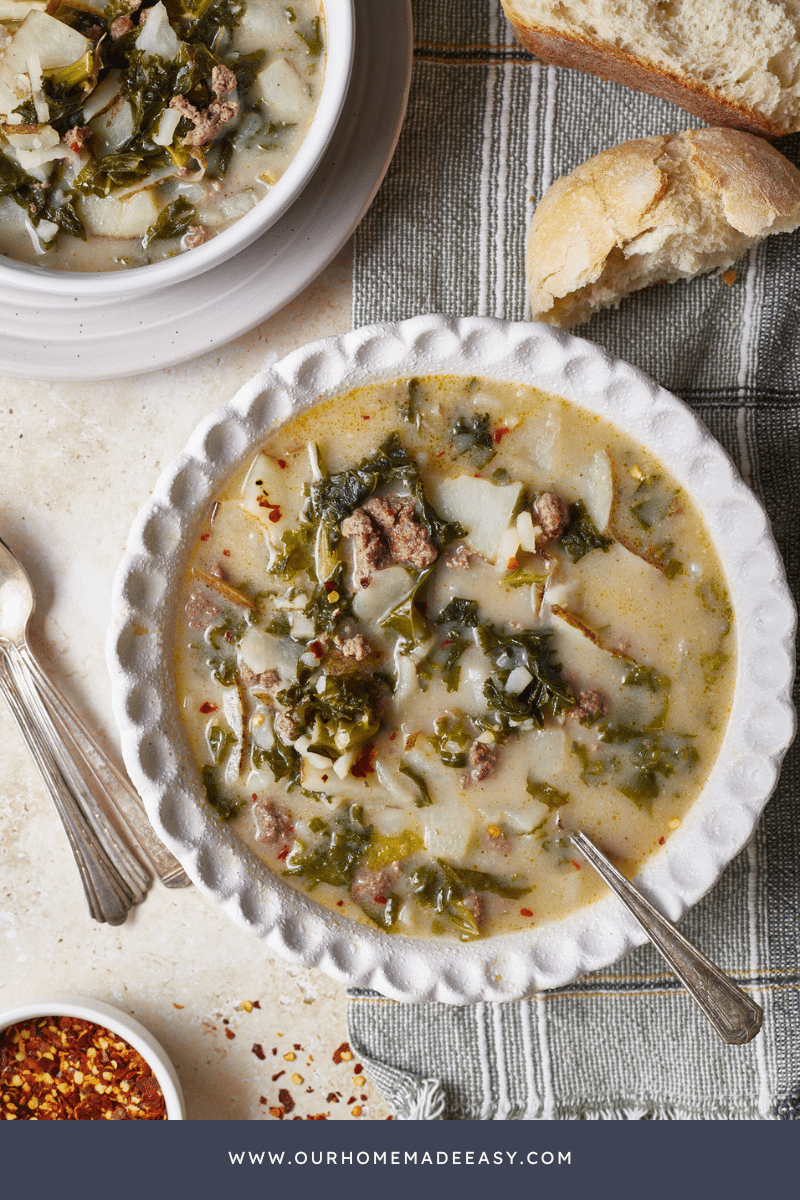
(77, 137)
(369, 549)
(272, 824)
(356, 647)
(409, 541)
(477, 905)
(267, 683)
(210, 122)
(482, 759)
(368, 885)
(591, 703)
(551, 515)
(286, 727)
(119, 27)
(200, 611)
(457, 557)
(196, 235)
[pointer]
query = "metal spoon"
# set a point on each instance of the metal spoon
(75, 771)
(736, 1018)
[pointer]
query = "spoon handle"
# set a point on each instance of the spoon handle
(736, 1018)
(113, 879)
(102, 777)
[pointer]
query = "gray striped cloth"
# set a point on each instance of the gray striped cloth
(487, 131)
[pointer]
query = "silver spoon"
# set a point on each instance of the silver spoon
(736, 1018)
(78, 776)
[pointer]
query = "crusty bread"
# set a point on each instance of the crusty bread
(731, 62)
(654, 210)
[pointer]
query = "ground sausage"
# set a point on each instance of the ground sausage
(550, 514)
(272, 824)
(457, 557)
(591, 703)
(356, 647)
(267, 683)
(368, 885)
(409, 541)
(482, 759)
(200, 611)
(369, 549)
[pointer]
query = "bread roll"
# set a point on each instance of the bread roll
(651, 211)
(731, 62)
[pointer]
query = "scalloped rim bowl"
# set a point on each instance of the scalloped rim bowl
(100, 1013)
(112, 285)
(155, 747)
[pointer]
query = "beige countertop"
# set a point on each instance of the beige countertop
(79, 461)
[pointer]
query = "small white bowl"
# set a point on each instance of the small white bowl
(140, 652)
(100, 1013)
(136, 281)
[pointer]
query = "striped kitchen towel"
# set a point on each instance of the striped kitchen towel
(487, 131)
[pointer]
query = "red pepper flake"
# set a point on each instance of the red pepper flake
(364, 417)
(324, 778)
(392, 736)
(282, 463)
(500, 433)
(285, 1097)
(174, 1005)
(357, 1069)
(258, 1050)
(661, 841)
(317, 648)
(229, 1033)
(277, 1113)
(256, 1004)
(513, 563)
(318, 1117)
(254, 796)
(351, 1100)
(274, 515)
(204, 537)
(575, 864)
(274, 1049)
(68, 1069)
(275, 1078)
(296, 1046)
(525, 912)
(381, 900)
(440, 454)
(262, 1099)
(340, 903)
(227, 553)
(228, 635)
(364, 764)
(208, 707)
(283, 854)
(332, 1098)
(342, 1052)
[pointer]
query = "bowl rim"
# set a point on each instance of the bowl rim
(339, 55)
(112, 1018)
(155, 747)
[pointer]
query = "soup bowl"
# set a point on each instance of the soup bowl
(134, 281)
(142, 645)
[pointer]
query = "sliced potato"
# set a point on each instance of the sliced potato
(482, 508)
(106, 216)
(283, 91)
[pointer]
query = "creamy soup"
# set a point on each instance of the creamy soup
(131, 131)
(433, 619)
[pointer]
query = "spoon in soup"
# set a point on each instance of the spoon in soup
(734, 1015)
(78, 775)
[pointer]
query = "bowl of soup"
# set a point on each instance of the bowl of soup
(418, 597)
(144, 143)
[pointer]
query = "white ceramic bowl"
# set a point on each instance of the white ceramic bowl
(137, 281)
(117, 1022)
(155, 747)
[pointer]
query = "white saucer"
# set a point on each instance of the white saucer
(63, 337)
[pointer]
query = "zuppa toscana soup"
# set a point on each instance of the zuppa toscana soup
(131, 131)
(428, 617)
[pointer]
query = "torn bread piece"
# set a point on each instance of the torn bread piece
(731, 62)
(652, 211)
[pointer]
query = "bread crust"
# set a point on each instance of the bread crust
(608, 62)
(636, 201)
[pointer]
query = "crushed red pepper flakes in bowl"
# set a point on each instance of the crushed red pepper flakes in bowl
(69, 1069)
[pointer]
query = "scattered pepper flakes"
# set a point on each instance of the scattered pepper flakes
(297, 1046)
(277, 1113)
(661, 841)
(256, 1004)
(525, 912)
(174, 1005)
(48, 1073)
(728, 277)
(342, 1053)
(331, 1098)
(262, 1099)
(208, 707)
(351, 1099)
(286, 1100)
(229, 1033)
(275, 1078)
(358, 1069)
(575, 864)
(258, 1050)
